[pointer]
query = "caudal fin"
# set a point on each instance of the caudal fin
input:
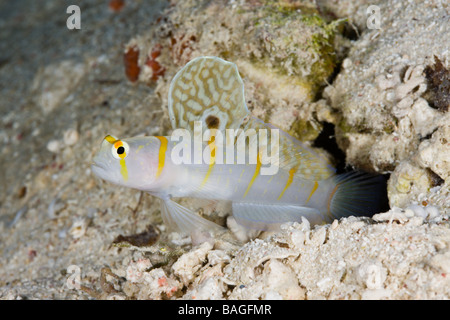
(358, 194)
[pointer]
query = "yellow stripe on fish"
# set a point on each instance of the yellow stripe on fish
(289, 181)
(123, 169)
(257, 170)
(212, 160)
(110, 139)
(316, 185)
(161, 155)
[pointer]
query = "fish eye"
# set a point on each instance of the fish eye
(120, 149)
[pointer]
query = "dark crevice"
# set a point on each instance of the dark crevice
(351, 31)
(384, 200)
(327, 141)
(327, 137)
(334, 74)
(434, 178)
(428, 136)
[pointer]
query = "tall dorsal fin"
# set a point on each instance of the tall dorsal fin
(207, 89)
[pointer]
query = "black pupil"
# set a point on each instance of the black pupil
(120, 150)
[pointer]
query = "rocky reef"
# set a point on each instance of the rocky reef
(389, 117)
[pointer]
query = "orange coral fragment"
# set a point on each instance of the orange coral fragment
(132, 68)
(156, 67)
(116, 5)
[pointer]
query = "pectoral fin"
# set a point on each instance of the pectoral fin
(179, 218)
(262, 216)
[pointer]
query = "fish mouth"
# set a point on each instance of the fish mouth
(97, 168)
(97, 165)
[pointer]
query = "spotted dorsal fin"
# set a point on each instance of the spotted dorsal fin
(210, 90)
